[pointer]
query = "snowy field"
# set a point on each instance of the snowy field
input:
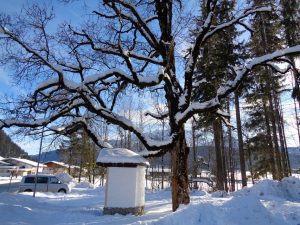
(266, 203)
(6, 180)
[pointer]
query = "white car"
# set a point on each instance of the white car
(45, 183)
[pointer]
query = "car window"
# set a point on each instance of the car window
(29, 179)
(42, 180)
(54, 180)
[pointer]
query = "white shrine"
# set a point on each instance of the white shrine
(125, 184)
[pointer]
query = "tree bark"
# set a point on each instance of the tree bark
(180, 184)
(224, 156)
(283, 137)
(269, 89)
(274, 128)
(283, 147)
(250, 165)
(230, 153)
(219, 156)
(272, 163)
(240, 139)
(195, 163)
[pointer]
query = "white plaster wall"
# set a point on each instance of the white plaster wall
(140, 186)
(121, 187)
(125, 187)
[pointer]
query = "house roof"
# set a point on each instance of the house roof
(60, 164)
(27, 161)
(120, 157)
(9, 167)
(2, 163)
(57, 163)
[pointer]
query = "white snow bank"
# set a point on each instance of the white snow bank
(288, 189)
(7, 180)
(268, 202)
(236, 211)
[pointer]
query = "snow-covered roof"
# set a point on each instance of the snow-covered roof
(27, 161)
(61, 164)
(120, 157)
(9, 167)
(2, 163)
(56, 162)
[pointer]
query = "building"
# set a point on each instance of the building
(60, 167)
(24, 166)
(6, 169)
(125, 185)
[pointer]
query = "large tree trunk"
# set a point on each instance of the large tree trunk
(269, 89)
(230, 153)
(180, 184)
(219, 156)
(250, 165)
(278, 159)
(283, 147)
(224, 156)
(195, 163)
(240, 139)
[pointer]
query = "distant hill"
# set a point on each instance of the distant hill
(10, 149)
(47, 156)
(203, 151)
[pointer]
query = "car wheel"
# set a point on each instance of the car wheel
(62, 191)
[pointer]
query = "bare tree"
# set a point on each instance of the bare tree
(80, 74)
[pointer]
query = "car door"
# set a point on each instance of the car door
(42, 184)
(54, 184)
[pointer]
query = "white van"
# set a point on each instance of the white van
(45, 183)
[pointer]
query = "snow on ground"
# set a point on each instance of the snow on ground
(268, 202)
(6, 180)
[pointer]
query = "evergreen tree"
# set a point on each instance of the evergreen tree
(260, 157)
(218, 55)
(267, 38)
(240, 138)
(79, 150)
(290, 12)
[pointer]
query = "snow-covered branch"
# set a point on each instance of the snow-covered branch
(205, 32)
(242, 71)
(231, 85)
(235, 20)
(159, 116)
